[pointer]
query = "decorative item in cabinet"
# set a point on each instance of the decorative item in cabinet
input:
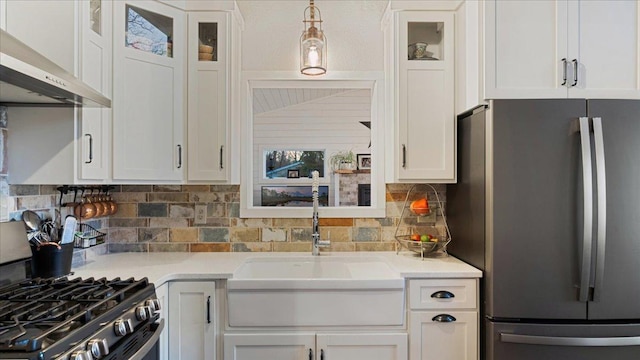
(207, 41)
(87, 236)
(417, 230)
(423, 35)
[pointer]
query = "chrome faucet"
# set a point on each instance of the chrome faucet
(317, 243)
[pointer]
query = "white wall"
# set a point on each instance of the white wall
(270, 41)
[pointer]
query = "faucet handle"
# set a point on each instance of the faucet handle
(324, 243)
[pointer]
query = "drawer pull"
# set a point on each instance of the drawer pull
(443, 318)
(310, 354)
(442, 294)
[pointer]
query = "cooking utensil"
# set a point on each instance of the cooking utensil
(57, 218)
(38, 237)
(100, 209)
(31, 220)
(49, 228)
(86, 209)
(70, 224)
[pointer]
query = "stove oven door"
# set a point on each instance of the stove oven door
(142, 344)
(150, 349)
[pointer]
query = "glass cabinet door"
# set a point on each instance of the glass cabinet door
(148, 31)
(95, 16)
(425, 41)
(207, 41)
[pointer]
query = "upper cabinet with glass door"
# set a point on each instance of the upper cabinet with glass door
(420, 45)
(425, 41)
(94, 145)
(148, 118)
(208, 100)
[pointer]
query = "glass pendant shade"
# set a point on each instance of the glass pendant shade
(313, 44)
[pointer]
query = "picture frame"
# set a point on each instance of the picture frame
(364, 161)
(293, 174)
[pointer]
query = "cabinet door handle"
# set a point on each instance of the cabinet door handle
(321, 354)
(575, 72)
(208, 309)
(90, 148)
(179, 156)
(442, 294)
(564, 71)
(221, 152)
(443, 318)
(310, 354)
(404, 156)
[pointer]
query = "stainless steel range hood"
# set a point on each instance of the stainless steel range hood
(27, 78)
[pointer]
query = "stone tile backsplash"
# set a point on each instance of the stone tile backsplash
(160, 218)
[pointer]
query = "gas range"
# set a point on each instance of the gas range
(71, 318)
(77, 319)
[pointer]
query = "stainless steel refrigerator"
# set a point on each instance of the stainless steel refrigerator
(548, 205)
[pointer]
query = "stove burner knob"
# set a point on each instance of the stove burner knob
(123, 327)
(143, 313)
(154, 304)
(98, 347)
(81, 355)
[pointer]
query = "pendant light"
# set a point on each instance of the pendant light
(313, 44)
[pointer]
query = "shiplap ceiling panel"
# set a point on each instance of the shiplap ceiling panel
(329, 120)
(265, 100)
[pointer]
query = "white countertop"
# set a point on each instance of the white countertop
(162, 267)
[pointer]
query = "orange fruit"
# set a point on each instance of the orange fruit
(420, 206)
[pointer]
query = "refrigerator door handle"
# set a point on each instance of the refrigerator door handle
(585, 141)
(601, 188)
(570, 341)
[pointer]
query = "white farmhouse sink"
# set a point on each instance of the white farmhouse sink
(315, 291)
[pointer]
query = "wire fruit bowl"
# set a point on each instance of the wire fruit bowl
(422, 247)
(436, 245)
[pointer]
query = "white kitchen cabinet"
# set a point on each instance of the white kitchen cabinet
(94, 145)
(46, 26)
(162, 292)
(334, 346)
(208, 100)
(421, 90)
(561, 48)
(444, 335)
(149, 92)
(443, 319)
(45, 136)
(191, 321)
(265, 346)
(362, 346)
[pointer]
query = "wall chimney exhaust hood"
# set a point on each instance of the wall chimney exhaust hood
(27, 78)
